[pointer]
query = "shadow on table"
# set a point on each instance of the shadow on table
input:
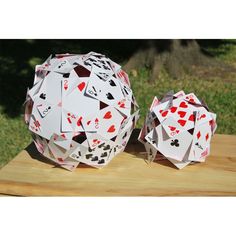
(133, 147)
(138, 150)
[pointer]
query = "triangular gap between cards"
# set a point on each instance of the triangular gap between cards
(102, 105)
(114, 139)
(82, 71)
(80, 138)
(191, 131)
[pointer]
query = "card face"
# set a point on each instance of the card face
(48, 125)
(151, 139)
(107, 92)
(109, 122)
(151, 152)
(76, 104)
(44, 109)
(202, 116)
(96, 156)
(172, 127)
(69, 82)
(191, 97)
(64, 140)
(183, 113)
(122, 139)
(201, 141)
(176, 147)
(123, 77)
(50, 90)
(63, 66)
(161, 111)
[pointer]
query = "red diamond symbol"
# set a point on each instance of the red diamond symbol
(198, 134)
(207, 136)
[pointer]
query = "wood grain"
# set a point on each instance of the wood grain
(29, 174)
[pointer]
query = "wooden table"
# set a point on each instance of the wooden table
(28, 174)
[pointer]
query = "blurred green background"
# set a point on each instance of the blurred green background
(205, 67)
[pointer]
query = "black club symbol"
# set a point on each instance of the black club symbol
(175, 143)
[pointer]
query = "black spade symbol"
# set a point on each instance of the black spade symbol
(101, 161)
(66, 75)
(94, 158)
(88, 156)
(112, 83)
(107, 147)
(109, 96)
(42, 95)
(124, 135)
(101, 145)
(90, 149)
(104, 154)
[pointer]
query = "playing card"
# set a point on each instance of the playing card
(109, 122)
(108, 92)
(176, 147)
(201, 140)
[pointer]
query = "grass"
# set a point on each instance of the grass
(13, 137)
(219, 94)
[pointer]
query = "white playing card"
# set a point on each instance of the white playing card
(172, 127)
(48, 125)
(201, 140)
(109, 122)
(108, 92)
(176, 147)
(44, 108)
(63, 66)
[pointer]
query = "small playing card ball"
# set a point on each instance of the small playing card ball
(80, 109)
(179, 127)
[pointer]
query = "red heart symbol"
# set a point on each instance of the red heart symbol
(173, 109)
(164, 113)
(182, 122)
(183, 105)
(202, 116)
(191, 117)
(172, 128)
(182, 113)
(191, 100)
(96, 141)
(122, 105)
(79, 121)
(107, 115)
(111, 129)
(81, 86)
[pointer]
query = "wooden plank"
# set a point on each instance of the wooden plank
(128, 174)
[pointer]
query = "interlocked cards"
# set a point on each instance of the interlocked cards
(180, 127)
(80, 109)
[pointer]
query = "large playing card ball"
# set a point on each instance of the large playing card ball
(180, 128)
(80, 109)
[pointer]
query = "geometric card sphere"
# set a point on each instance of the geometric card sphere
(80, 109)
(179, 127)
